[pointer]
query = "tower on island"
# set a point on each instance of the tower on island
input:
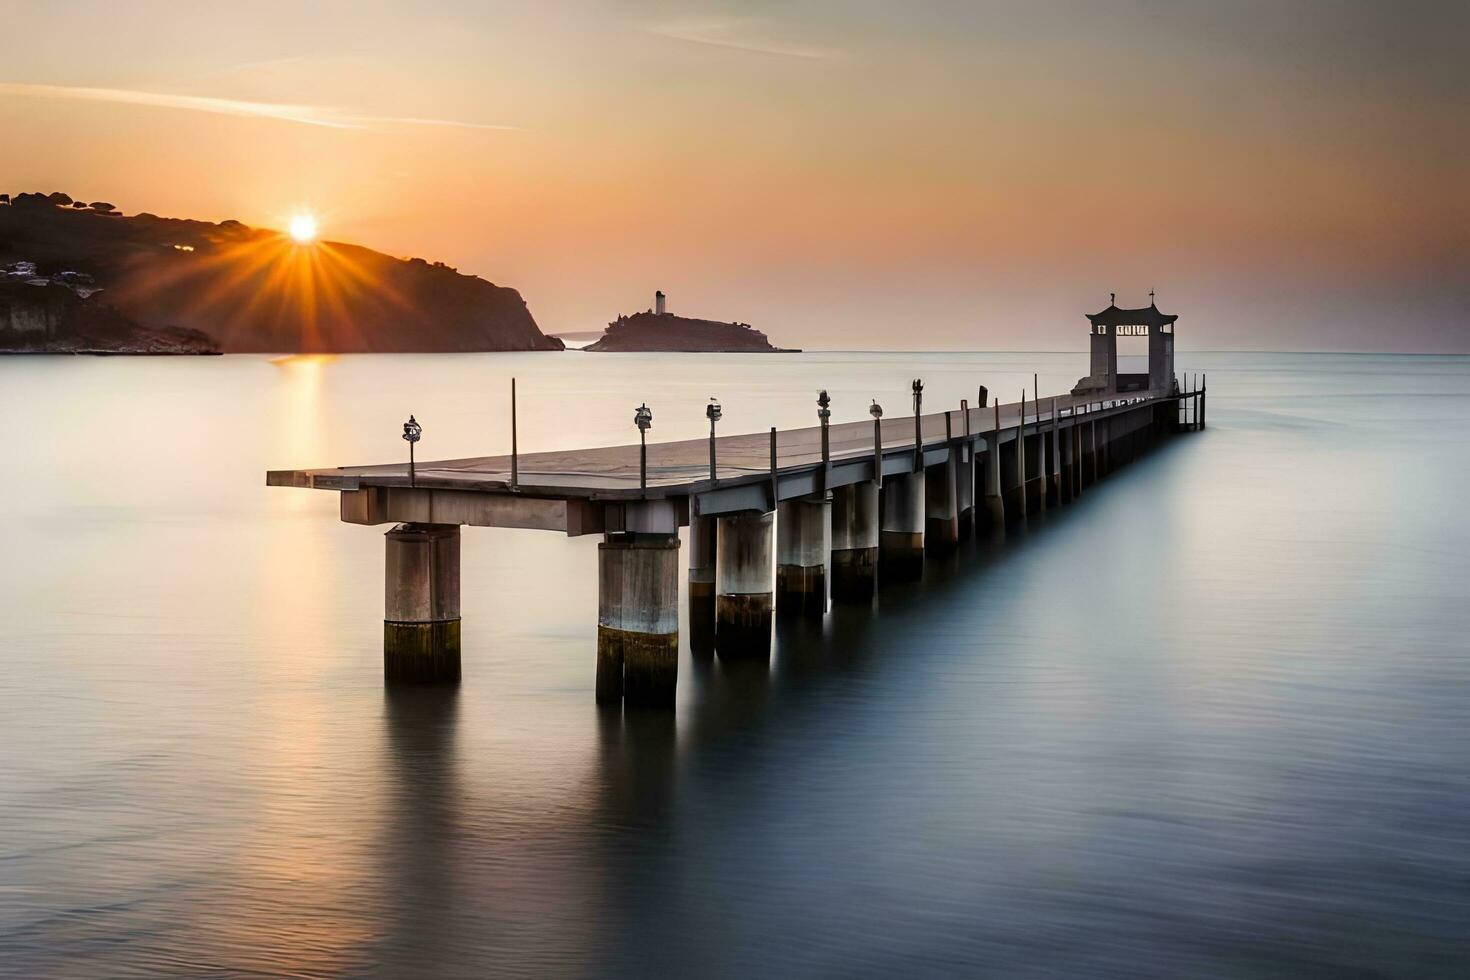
(658, 302)
(1114, 322)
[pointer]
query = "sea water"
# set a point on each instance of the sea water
(1209, 720)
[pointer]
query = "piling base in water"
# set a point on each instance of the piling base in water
(900, 556)
(941, 536)
(702, 617)
(854, 574)
(743, 625)
(421, 653)
(640, 668)
(801, 590)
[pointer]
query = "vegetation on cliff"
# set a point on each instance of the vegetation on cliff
(248, 289)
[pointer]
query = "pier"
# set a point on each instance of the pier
(780, 522)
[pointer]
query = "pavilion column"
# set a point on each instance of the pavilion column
(744, 599)
(802, 529)
(855, 542)
(702, 535)
(941, 510)
(421, 604)
(901, 535)
(638, 618)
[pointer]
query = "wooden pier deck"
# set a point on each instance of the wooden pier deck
(554, 489)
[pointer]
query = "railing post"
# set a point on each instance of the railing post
(515, 466)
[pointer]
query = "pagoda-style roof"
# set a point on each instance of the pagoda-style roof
(1148, 316)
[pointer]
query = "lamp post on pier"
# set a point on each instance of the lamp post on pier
(643, 418)
(876, 411)
(824, 416)
(412, 432)
(713, 413)
(918, 387)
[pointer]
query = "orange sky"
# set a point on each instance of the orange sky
(840, 174)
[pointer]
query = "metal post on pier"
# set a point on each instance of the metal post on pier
(824, 416)
(775, 483)
(412, 432)
(713, 413)
(876, 411)
(918, 387)
(1204, 386)
(515, 469)
(643, 418)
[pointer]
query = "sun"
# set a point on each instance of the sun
(303, 228)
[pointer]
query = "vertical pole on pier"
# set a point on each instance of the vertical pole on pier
(918, 387)
(877, 445)
(775, 487)
(965, 482)
(411, 478)
(824, 416)
(1203, 387)
(643, 418)
(515, 468)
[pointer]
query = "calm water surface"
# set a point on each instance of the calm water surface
(1209, 721)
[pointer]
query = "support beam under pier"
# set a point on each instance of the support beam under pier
(743, 600)
(421, 604)
(802, 529)
(901, 535)
(855, 542)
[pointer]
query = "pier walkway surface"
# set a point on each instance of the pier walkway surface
(769, 516)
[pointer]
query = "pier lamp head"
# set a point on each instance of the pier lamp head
(875, 410)
(918, 386)
(823, 401)
(643, 418)
(412, 431)
(712, 410)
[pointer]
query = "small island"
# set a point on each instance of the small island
(659, 330)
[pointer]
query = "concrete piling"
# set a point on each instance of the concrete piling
(901, 533)
(638, 619)
(855, 542)
(744, 596)
(941, 507)
(702, 535)
(802, 534)
(990, 485)
(421, 604)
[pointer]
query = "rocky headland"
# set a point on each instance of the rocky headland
(78, 276)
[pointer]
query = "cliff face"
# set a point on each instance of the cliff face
(649, 331)
(253, 290)
(53, 319)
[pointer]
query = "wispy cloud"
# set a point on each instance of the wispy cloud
(307, 115)
(742, 34)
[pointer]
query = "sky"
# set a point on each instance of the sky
(842, 174)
